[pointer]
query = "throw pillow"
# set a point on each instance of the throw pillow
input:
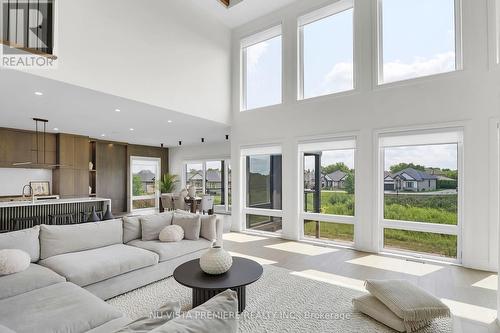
(219, 314)
(157, 318)
(209, 227)
(191, 224)
(172, 233)
(372, 307)
(13, 261)
(208, 224)
(152, 225)
(131, 228)
(407, 301)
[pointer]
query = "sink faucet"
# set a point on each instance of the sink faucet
(32, 193)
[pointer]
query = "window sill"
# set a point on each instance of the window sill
(416, 80)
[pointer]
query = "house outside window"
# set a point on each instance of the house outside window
(328, 186)
(211, 177)
(421, 210)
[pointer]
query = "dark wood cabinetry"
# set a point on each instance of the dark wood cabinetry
(19, 146)
(71, 177)
(69, 155)
(111, 174)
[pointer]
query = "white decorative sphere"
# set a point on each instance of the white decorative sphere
(172, 233)
(216, 261)
(13, 261)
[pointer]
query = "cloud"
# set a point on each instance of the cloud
(340, 78)
(436, 156)
(254, 53)
(440, 63)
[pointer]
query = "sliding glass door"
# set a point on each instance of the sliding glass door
(263, 189)
(328, 187)
(211, 177)
(144, 174)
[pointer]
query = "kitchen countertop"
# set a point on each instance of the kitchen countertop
(50, 202)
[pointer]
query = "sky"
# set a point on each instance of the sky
(419, 40)
(435, 156)
(332, 157)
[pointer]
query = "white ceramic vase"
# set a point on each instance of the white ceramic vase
(216, 260)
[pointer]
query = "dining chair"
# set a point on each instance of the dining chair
(167, 201)
(207, 204)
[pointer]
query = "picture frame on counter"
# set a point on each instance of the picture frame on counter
(40, 187)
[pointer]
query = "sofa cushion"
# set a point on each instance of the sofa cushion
(60, 239)
(131, 228)
(62, 307)
(191, 224)
(34, 277)
(168, 251)
(26, 240)
(407, 301)
(372, 307)
(4, 329)
(218, 314)
(152, 225)
(88, 267)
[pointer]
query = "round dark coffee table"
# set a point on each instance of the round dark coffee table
(205, 286)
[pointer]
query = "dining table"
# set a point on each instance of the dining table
(193, 202)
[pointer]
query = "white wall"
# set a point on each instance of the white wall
(169, 54)
(469, 98)
(12, 180)
(208, 151)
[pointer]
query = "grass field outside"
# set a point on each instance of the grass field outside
(440, 209)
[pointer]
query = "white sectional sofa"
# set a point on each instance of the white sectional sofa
(75, 267)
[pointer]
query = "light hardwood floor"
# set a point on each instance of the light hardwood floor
(471, 294)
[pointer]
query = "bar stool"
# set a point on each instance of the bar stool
(61, 219)
(25, 222)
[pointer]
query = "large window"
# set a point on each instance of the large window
(262, 69)
(328, 178)
(263, 188)
(194, 176)
(143, 177)
(326, 43)
(213, 178)
(418, 38)
(421, 192)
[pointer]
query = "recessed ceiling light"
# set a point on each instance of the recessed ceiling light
(103, 135)
(131, 129)
(56, 129)
(169, 121)
(118, 110)
(38, 93)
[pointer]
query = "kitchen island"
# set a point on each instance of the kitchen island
(42, 210)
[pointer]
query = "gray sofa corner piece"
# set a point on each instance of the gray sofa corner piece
(35, 277)
(61, 307)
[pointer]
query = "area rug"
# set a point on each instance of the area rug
(278, 302)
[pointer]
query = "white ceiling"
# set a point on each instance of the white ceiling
(82, 111)
(244, 12)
